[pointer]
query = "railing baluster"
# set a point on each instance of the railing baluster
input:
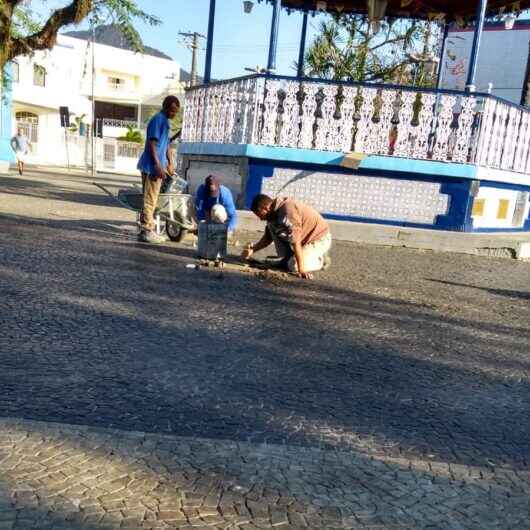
(324, 123)
(382, 139)
(309, 107)
(443, 129)
(484, 137)
(424, 127)
(290, 117)
(510, 139)
(523, 144)
(406, 111)
(347, 110)
(463, 134)
(366, 113)
(270, 113)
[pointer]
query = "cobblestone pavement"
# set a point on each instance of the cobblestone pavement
(391, 392)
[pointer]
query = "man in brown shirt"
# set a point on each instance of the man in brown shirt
(300, 234)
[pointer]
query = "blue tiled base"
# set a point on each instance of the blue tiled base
(385, 190)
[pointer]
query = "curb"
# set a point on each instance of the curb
(498, 245)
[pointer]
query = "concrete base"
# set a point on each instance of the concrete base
(499, 245)
(4, 167)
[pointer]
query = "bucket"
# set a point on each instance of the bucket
(212, 241)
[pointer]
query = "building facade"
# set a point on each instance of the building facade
(503, 59)
(127, 87)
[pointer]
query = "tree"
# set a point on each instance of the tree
(347, 48)
(22, 32)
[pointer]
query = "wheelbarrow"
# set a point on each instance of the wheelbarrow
(174, 215)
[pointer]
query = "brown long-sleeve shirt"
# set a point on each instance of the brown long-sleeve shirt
(293, 221)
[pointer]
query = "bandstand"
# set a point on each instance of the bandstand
(400, 155)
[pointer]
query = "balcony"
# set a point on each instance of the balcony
(396, 121)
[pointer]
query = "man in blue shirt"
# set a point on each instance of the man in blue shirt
(155, 164)
(215, 204)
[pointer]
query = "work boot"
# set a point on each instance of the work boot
(149, 236)
(326, 261)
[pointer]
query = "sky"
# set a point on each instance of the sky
(240, 40)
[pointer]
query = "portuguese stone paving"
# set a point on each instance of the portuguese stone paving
(392, 392)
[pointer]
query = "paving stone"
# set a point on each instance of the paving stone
(393, 390)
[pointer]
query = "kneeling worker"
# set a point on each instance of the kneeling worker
(215, 204)
(300, 234)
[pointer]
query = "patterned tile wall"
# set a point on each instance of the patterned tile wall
(382, 198)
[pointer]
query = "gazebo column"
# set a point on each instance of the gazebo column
(209, 44)
(301, 53)
(479, 27)
(442, 53)
(273, 44)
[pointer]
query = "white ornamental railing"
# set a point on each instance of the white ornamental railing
(122, 124)
(388, 120)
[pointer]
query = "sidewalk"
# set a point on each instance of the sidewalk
(495, 244)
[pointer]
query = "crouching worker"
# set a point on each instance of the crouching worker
(214, 203)
(300, 234)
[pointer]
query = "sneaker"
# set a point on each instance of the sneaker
(148, 236)
(326, 261)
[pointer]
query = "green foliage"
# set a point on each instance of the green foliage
(78, 120)
(176, 123)
(132, 135)
(348, 49)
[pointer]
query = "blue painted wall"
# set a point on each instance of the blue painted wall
(6, 153)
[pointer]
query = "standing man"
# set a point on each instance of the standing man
(215, 204)
(154, 164)
(20, 144)
(300, 234)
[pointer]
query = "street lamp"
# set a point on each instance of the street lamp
(376, 10)
(247, 6)
(376, 13)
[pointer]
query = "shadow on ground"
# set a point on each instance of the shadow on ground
(101, 331)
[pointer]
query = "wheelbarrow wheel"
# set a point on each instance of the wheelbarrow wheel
(174, 231)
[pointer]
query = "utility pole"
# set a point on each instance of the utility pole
(94, 122)
(194, 47)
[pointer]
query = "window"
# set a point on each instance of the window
(116, 83)
(27, 117)
(29, 123)
(478, 208)
(15, 72)
(39, 75)
(502, 212)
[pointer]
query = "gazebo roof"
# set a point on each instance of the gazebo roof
(453, 9)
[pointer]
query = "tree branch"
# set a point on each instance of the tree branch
(44, 39)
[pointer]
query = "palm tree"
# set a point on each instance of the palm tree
(347, 48)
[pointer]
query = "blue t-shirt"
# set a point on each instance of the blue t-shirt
(204, 203)
(157, 129)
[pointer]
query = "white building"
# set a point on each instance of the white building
(128, 88)
(503, 59)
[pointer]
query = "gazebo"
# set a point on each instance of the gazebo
(453, 160)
